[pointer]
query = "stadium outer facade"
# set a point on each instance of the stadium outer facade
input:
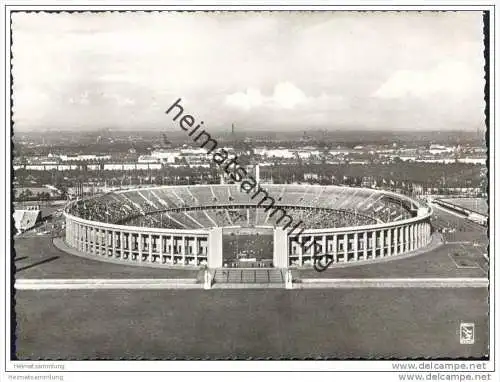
(192, 248)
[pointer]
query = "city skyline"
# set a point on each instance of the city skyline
(294, 71)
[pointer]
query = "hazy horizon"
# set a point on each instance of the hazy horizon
(268, 71)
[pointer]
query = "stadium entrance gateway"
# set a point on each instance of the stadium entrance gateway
(247, 248)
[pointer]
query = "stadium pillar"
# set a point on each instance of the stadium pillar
(426, 233)
(301, 250)
(139, 246)
(422, 234)
(312, 246)
(152, 241)
(399, 234)
(335, 248)
(82, 238)
(407, 238)
(389, 242)
(214, 255)
(323, 245)
(382, 243)
(419, 234)
(183, 250)
(195, 250)
(374, 244)
(113, 243)
(412, 237)
(346, 247)
(395, 242)
(365, 245)
(130, 246)
(415, 227)
(94, 238)
(87, 239)
(68, 235)
(170, 248)
(71, 236)
(356, 245)
(280, 248)
(78, 237)
(106, 242)
(161, 250)
(122, 244)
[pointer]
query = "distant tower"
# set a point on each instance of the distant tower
(232, 130)
(166, 142)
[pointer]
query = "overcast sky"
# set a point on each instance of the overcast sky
(275, 71)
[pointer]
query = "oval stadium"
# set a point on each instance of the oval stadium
(222, 226)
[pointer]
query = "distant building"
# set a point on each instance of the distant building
(147, 159)
(83, 157)
(472, 160)
(440, 149)
(311, 176)
(166, 155)
(275, 153)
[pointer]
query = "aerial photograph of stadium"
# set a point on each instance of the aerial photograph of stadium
(249, 186)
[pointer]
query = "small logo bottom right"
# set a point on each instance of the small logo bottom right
(467, 333)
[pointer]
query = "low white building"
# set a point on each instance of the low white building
(167, 156)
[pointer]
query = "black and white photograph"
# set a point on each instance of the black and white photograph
(296, 188)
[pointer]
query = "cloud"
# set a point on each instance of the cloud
(285, 96)
(449, 78)
(246, 100)
(295, 69)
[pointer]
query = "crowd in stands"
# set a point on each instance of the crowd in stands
(147, 208)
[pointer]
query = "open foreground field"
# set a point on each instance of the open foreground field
(365, 323)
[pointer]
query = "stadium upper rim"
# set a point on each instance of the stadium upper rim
(364, 202)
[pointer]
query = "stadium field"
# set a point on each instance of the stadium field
(339, 324)
(253, 246)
